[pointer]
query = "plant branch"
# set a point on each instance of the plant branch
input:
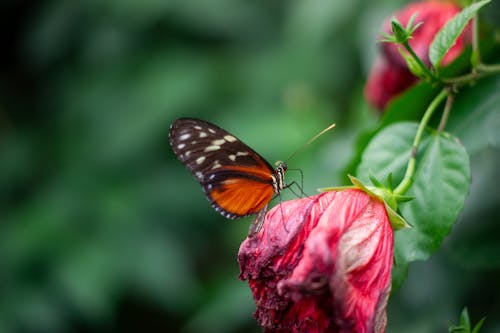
(489, 69)
(476, 53)
(410, 169)
(446, 112)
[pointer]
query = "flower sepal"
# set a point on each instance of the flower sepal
(401, 34)
(413, 65)
(386, 195)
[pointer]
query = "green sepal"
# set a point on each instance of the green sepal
(388, 38)
(397, 221)
(358, 184)
(389, 181)
(400, 34)
(410, 28)
(374, 180)
(478, 325)
(404, 198)
(335, 188)
(465, 325)
(413, 65)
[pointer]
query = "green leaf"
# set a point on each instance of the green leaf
(447, 36)
(397, 221)
(375, 181)
(441, 183)
(388, 152)
(475, 117)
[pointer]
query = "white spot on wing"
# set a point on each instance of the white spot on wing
(211, 130)
(216, 165)
(181, 145)
(187, 153)
(232, 157)
(242, 153)
(199, 175)
(197, 127)
(229, 138)
(211, 148)
(218, 142)
(203, 134)
(200, 159)
(184, 136)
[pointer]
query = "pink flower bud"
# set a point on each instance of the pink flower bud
(390, 76)
(385, 82)
(321, 264)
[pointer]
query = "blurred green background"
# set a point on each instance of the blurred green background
(103, 230)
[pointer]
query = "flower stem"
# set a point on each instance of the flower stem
(493, 69)
(481, 71)
(446, 112)
(410, 169)
(475, 44)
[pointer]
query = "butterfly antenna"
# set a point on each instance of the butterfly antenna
(311, 140)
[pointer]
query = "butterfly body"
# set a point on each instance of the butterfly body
(236, 179)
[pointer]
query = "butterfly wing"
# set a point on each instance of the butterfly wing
(235, 178)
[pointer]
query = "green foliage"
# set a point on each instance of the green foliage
(447, 36)
(103, 230)
(464, 326)
(440, 185)
(476, 111)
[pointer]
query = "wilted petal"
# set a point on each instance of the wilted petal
(321, 264)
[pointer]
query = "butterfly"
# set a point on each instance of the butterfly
(236, 179)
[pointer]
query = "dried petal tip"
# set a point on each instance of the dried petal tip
(321, 264)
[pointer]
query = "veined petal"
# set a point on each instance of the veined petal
(321, 264)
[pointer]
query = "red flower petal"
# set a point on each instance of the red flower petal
(321, 264)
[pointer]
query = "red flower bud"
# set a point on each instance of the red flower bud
(385, 82)
(390, 75)
(321, 264)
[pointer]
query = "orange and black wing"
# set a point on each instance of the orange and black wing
(235, 178)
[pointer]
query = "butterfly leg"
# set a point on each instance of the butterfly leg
(283, 213)
(301, 191)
